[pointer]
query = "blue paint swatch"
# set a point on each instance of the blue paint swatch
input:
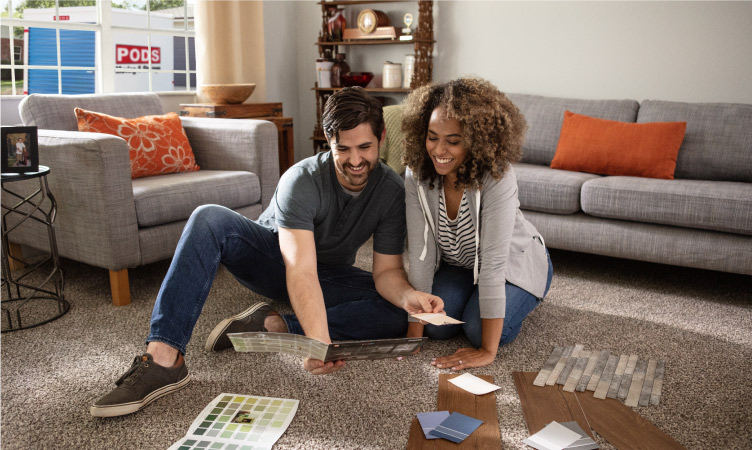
(456, 428)
(429, 421)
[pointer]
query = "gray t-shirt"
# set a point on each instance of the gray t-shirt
(309, 197)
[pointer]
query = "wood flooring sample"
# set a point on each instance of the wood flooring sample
(454, 399)
(622, 427)
(542, 405)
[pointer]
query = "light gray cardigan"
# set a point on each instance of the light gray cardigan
(509, 248)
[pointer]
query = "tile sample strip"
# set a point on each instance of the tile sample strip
(452, 398)
(626, 380)
(582, 384)
(542, 405)
(608, 375)
(559, 366)
(577, 371)
(638, 377)
(655, 396)
(564, 375)
(548, 366)
(647, 386)
(599, 366)
(616, 382)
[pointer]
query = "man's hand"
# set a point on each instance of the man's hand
(416, 302)
(465, 358)
(319, 367)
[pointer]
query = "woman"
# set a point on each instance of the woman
(468, 241)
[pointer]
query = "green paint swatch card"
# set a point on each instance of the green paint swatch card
(239, 422)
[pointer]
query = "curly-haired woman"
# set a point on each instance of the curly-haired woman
(468, 241)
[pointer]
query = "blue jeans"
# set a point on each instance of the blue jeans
(455, 286)
(215, 235)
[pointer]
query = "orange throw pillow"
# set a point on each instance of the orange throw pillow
(607, 147)
(157, 144)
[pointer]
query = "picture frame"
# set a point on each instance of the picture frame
(20, 150)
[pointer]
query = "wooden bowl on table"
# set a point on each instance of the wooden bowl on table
(228, 93)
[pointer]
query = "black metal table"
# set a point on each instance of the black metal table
(43, 300)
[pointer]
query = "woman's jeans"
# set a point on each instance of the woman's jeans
(215, 235)
(455, 286)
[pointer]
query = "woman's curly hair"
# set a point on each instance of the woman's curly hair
(493, 129)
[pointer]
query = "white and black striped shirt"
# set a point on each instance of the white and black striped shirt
(457, 237)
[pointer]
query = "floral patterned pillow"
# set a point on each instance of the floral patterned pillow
(157, 144)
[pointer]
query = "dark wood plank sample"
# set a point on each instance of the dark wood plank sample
(454, 399)
(622, 427)
(542, 405)
(610, 418)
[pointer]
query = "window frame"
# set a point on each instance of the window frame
(104, 60)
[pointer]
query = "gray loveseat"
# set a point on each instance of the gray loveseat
(702, 218)
(110, 221)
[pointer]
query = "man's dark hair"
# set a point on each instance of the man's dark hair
(348, 108)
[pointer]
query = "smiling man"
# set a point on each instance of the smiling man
(301, 250)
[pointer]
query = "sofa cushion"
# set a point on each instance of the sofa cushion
(708, 205)
(168, 198)
(718, 141)
(157, 145)
(549, 190)
(545, 115)
(55, 112)
(392, 149)
(607, 147)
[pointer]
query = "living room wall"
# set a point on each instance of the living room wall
(679, 51)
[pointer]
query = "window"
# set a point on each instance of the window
(87, 46)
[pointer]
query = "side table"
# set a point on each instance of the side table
(40, 302)
(262, 111)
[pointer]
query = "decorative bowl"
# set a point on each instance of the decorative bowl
(228, 93)
(357, 79)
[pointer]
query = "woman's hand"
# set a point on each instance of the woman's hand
(465, 358)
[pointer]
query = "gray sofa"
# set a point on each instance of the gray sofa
(702, 218)
(110, 221)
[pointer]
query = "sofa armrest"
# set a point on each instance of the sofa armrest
(90, 179)
(231, 144)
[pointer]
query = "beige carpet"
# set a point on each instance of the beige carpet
(699, 321)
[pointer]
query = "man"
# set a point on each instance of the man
(300, 250)
(20, 153)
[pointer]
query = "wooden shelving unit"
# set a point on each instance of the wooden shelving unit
(422, 43)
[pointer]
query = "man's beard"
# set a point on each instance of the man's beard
(356, 180)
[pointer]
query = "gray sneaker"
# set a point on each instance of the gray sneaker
(252, 319)
(143, 383)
